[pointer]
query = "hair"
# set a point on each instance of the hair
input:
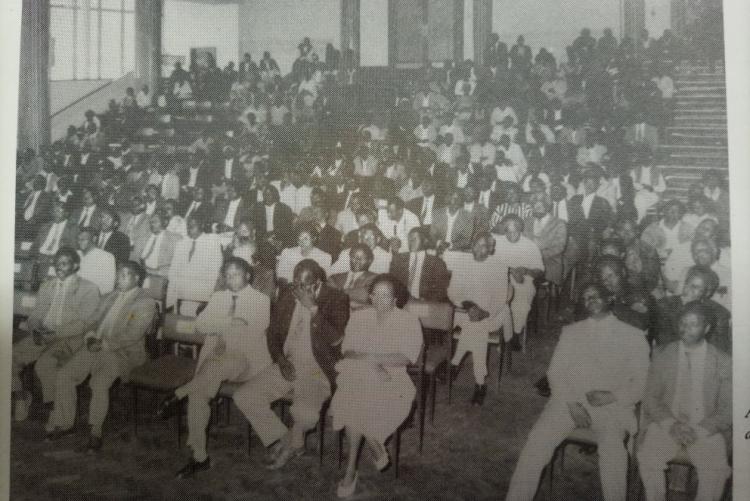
(709, 276)
(363, 248)
(69, 252)
(239, 263)
(418, 230)
(137, 269)
(90, 230)
(400, 292)
(703, 310)
(616, 263)
(312, 267)
(512, 218)
(114, 215)
(372, 227)
(310, 228)
(600, 288)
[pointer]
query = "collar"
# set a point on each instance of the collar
(699, 350)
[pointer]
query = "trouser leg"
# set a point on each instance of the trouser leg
(109, 367)
(613, 457)
(709, 456)
(657, 448)
(54, 357)
(24, 353)
(310, 391)
(473, 339)
(553, 426)
(254, 400)
(66, 397)
(521, 305)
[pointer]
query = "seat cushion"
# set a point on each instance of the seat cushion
(165, 373)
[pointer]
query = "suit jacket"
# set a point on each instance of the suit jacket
(244, 211)
(205, 211)
(93, 221)
(81, 301)
(326, 327)
(480, 217)
(139, 237)
(283, 217)
(130, 325)
(360, 289)
(551, 243)
(581, 228)
(433, 284)
(69, 237)
(668, 315)
(415, 205)
(41, 214)
(238, 173)
(204, 178)
(118, 245)
(463, 228)
(717, 389)
(166, 253)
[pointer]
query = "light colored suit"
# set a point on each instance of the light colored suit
(708, 453)
(166, 253)
(79, 304)
(551, 243)
(138, 229)
(122, 350)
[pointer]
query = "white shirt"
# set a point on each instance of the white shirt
(524, 253)
(150, 208)
(52, 242)
(86, 213)
(462, 179)
(269, 216)
(399, 229)
(690, 379)
(177, 225)
(53, 319)
(484, 198)
(232, 212)
(150, 254)
(193, 177)
(98, 266)
(416, 262)
(426, 213)
(29, 212)
(296, 198)
(142, 99)
(291, 256)
(228, 163)
(193, 206)
(485, 283)
(586, 204)
(450, 220)
(562, 209)
(194, 279)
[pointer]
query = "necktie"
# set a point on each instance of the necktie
(190, 210)
(685, 402)
(192, 251)
(556, 209)
(233, 308)
(349, 281)
(83, 215)
(151, 245)
(55, 235)
(412, 270)
(395, 230)
(28, 201)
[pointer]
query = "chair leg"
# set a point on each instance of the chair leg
(450, 370)
(321, 435)
(421, 410)
(433, 395)
(178, 417)
(134, 394)
(341, 447)
(398, 450)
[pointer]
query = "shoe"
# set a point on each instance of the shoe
(22, 409)
(475, 396)
(167, 407)
(382, 461)
(94, 445)
(286, 454)
(57, 434)
(480, 396)
(347, 491)
(542, 387)
(515, 342)
(193, 467)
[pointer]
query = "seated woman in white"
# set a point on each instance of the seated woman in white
(375, 392)
(243, 242)
(307, 239)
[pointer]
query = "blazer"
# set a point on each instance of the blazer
(244, 211)
(551, 243)
(69, 237)
(118, 245)
(42, 213)
(81, 301)
(93, 221)
(204, 178)
(205, 211)
(463, 228)
(130, 326)
(359, 291)
(166, 253)
(326, 327)
(433, 284)
(238, 173)
(599, 218)
(141, 232)
(283, 218)
(661, 387)
(415, 205)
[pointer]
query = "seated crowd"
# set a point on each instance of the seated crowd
(295, 227)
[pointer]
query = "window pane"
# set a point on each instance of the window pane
(112, 4)
(61, 44)
(110, 44)
(129, 43)
(129, 5)
(94, 45)
(65, 3)
(84, 61)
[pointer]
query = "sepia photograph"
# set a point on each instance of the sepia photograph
(373, 250)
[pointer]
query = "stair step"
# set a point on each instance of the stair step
(705, 119)
(684, 170)
(674, 140)
(694, 149)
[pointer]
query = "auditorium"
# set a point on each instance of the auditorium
(381, 249)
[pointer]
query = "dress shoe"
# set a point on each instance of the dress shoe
(57, 434)
(286, 454)
(94, 445)
(382, 459)
(167, 407)
(193, 467)
(480, 395)
(542, 387)
(347, 491)
(515, 342)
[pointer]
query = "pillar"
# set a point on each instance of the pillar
(33, 102)
(350, 28)
(634, 22)
(148, 14)
(482, 11)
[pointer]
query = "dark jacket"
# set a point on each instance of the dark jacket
(433, 284)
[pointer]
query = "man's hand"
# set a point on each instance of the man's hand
(579, 414)
(93, 344)
(477, 314)
(287, 368)
(307, 297)
(518, 274)
(599, 398)
(682, 433)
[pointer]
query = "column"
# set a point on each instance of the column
(350, 29)
(33, 103)
(482, 27)
(148, 14)
(634, 18)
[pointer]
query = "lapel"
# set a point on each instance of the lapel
(362, 280)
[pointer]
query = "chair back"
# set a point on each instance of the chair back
(156, 287)
(181, 329)
(432, 315)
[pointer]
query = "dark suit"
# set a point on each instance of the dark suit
(237, 175)
(415, 205)
(204, 211)
(433, 284)
(41, 214)
(283, 217)
(244, 211)
(463, 228)
(586, 232)
(668, 316)
(118, 244)
(204, 177)
(93, 220)
(69, 237)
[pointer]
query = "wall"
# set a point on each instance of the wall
(64, 92)
(658, 16)
(553, 24)
(191, 24)
(373, 32)
(279, 26)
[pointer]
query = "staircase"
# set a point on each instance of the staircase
(697, 140)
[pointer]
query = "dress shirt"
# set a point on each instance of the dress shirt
(232, 212)
(177, 225)
(426, 212)
(688, 397)
(150, 254)
(450, 221)
(484, 283)
(86, 213)
(31, 205)
(269, 216)
(484, 198)
(228, 163)
(98, 266)
(193, 177)
(400, 229)
(586, 204)
(193, 206)
(462, 179)
(103, 238)
(296, 198)
(150, 208)
(52, 242)
(416, 262)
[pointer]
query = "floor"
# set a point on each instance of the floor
(469, 454)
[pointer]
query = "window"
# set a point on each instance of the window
(91, 39)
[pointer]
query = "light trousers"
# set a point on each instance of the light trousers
(105, 367)
(708, 455)
(47, 357)
(523, 296)
(475, 335)
(552, 427)
(310, 389)
(201, 390)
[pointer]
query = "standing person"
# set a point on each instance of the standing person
(114, 346)
(304, 340)
(688, 407)
(597, 374)
(234, 322)
(375, 392)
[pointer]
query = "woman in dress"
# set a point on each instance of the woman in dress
(307, 239)
(374, 391)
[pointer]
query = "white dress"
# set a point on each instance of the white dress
(291, 256)
(362, 401)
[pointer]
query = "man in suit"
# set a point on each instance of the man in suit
(235, 323)
(452, 226)
(198, 172)
(60, 232)
(356, 282)
(427, 204)
(97, 266)
(588, 216)
(89, 214)
(236, 209)
(273, 216)
(424, 275)
(597, 374)
(642, 132)
(114, 346)
(229, 170)
(136, 227)
(549, 233)
(110, 239)
(396, 223)
(480, 216)
(329, 239)
(36, 210)
(306, 329)
(198, 206)
(63, 309)
(688, 406)
(158, 252)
